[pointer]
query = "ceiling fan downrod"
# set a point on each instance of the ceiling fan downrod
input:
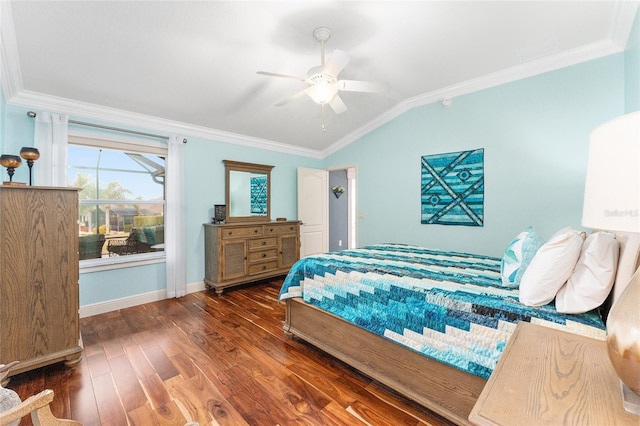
(322, 34)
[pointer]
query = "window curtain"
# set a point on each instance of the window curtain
(50, 137)
(175, 228)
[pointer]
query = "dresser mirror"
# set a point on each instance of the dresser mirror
(247, 191)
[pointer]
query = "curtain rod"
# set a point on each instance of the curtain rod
(99, 126)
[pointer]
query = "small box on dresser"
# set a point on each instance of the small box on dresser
(240, 253)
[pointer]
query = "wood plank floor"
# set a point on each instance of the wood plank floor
(213, 360)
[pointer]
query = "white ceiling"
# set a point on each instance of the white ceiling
(191, 66)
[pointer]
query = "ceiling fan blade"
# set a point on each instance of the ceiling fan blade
(362, 86)
(273, 74)
(336, 63)
(337, 105)
(292, 98)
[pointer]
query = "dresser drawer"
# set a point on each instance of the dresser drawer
(259, 268)
(273, 229)
(239, 232)
(260, 243)
(256, 256)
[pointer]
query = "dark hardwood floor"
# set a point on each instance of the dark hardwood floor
(213, 360)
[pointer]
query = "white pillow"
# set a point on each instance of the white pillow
(593, 276)
(551, 267)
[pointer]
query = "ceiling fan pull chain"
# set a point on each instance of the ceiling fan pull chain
(324, 129)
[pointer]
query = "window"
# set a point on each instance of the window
(122, 202)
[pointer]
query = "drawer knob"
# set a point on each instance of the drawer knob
(264, 243)
(264, 254)
(255, 230)
(264, 267)
(230, 232)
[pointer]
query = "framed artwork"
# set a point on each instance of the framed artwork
(259, 194)
(452, 188)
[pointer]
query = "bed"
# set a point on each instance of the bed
(429, 324)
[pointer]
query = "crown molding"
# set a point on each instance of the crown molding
(88, 111)
(519, 72)
(12, 87)
(14, 93)
(84, 110)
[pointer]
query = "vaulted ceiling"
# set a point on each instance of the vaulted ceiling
(191, 66)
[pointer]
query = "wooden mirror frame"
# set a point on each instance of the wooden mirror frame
(238, 166)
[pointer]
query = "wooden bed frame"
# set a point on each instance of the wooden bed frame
(441, 388)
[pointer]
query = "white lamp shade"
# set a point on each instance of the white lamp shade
(322, 92)
(612, 189)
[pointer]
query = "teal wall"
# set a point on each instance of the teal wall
(204, 187)
(17, 131)
(204, 182)
(632, 68)
(535, 134)
(120, 283)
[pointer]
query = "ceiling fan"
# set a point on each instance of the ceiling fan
(323, 79)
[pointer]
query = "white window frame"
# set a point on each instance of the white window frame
(120, 143)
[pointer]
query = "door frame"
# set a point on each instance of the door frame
(352, 211)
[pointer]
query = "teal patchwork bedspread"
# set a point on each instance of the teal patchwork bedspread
(446, 305)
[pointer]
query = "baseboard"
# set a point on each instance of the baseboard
(127, 302)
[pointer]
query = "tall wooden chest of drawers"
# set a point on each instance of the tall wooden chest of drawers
(241, 253)
(39, 291)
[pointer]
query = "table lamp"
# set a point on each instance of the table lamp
(612, 203)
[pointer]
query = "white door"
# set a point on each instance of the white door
(313, 211)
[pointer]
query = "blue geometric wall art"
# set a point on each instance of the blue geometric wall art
(452, 188)
(259, 195)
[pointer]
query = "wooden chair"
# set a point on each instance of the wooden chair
(38, 406)
(90, 246)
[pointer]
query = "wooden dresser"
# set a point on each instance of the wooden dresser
(241, 253)
(39, 294)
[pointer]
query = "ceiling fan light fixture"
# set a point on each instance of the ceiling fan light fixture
(322, 80)
(323, 92)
